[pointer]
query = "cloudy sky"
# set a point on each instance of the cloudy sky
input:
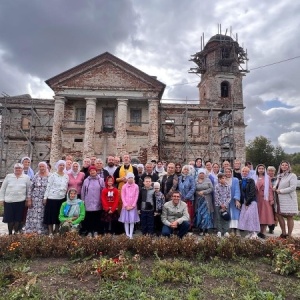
(40, 39)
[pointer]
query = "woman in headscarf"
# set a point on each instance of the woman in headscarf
(265, 200)
(72, 212)
(271, 171)
(204, 202)
(14, 191)
(214, 173)
(197, 167)
(187, 187)
(234, 204)
(286, 202)
(76, 178)
(35, 215)
(160, 170)
(249, 219)
(91, 195)
(26, 161)
(54, 196)
(178, 169)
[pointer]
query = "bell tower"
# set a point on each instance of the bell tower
(222, 63)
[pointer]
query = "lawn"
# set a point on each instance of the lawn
(152, 278)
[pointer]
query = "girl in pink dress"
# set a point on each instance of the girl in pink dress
(129, 214)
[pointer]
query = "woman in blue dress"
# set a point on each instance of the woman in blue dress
(186, 187)
(234, 205)
(204, 202)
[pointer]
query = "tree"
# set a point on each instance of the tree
(261, 151)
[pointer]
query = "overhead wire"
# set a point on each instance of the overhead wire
(256, 68)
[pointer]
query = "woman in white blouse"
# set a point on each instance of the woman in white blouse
(14, 191)
(54, 196)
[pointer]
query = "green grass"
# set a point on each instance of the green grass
(157, 279)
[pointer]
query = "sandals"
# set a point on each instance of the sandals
(284, 236)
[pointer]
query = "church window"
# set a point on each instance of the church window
(108, 120)
(135, 117)
(225, 89)
(80, 115)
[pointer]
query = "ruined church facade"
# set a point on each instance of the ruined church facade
(105, 106)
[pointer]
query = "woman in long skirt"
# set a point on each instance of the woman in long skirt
(35, 215)
(249, 219)
(203, 203)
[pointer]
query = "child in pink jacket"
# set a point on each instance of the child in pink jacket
(129, 214)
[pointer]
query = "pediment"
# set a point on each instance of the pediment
(105, 72)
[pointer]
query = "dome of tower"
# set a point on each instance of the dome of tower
(220, 37)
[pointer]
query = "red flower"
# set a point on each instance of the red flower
(116, 260)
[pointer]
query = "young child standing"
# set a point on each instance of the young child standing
(110, 200)
(129, 215)
(147, 206)
(160, 201)
(222, 200)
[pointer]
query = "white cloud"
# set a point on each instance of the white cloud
(290, 140)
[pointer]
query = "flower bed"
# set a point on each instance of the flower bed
(285, 254)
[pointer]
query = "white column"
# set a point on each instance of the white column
(121, 138)
(90, 115)
(152, 152)
(56, 141)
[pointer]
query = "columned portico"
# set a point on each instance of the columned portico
(121, 134)
(88, 145)
(152, 152)
(56, 142)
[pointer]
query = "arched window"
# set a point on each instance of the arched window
(225, 89)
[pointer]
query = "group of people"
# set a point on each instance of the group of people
(164, 198)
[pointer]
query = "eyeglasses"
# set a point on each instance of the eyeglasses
(176, 196)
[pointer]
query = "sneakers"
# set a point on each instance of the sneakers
(95, 234)
(248, 236)
(238, 233)
(219, 234)
(253, 236)
(226, 234)
(89, 235)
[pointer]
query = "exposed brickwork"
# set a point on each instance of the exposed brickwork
(109, 89)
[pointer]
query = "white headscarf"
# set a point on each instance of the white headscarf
(266, 183)
(75, 173)
(45, 164)
(60, 162)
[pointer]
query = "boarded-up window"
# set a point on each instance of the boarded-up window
(108, 117)
(25, 123)
(135, 117)
(169, 127)
(195, 128)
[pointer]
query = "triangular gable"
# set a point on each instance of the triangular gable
(105, 71)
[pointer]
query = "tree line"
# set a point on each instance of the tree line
(261, 150)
